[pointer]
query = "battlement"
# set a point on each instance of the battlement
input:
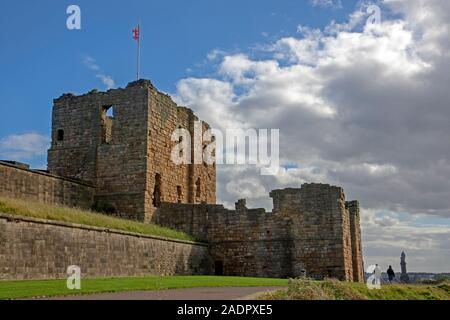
(294, 198)
(310, 229)
(353, 207)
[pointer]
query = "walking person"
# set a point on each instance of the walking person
(391, 274)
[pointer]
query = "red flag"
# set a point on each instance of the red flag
(136, 33)
(137, 36)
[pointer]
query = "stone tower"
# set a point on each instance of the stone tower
(326, 231)
(121, 142)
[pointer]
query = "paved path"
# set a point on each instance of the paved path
(179, 294)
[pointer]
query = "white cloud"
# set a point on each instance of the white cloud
(108, 81)
(326, 3)
(91, 64)
(210, 96)
(214, 54)
(24, 146)
(247, 188)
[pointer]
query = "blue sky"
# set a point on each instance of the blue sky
(362, 107)
(40, 58)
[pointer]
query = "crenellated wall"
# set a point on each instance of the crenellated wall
(309, 230)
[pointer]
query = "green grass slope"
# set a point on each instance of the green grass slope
(49, 288)
(72, 215)
(338, 290)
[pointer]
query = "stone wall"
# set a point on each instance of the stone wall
(40, 249)
(309, 230)
(247, 242)
(320, 229)
(180, 183)
(17, 181)
(355, 230)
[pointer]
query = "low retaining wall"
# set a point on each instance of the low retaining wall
(17, 181)
(41, 249)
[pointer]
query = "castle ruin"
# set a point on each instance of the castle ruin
(111, 151)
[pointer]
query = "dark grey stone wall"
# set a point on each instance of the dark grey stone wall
(16, 181)
(40, 249)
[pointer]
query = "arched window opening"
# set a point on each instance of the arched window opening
(157, 191)
(198, 188)
(179, 194)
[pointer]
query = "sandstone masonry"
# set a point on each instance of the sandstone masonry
(120, 141)
(311, 231)
(40, 249)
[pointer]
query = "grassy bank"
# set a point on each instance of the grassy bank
(66, 214)
(38, 288)
(337, 290)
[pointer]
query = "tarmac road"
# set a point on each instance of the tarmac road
(223, 293)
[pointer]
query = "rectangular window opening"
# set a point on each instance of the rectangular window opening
(107, 123)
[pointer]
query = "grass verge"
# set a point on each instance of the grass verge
(72, 215)
(50, 288)
(306, 289)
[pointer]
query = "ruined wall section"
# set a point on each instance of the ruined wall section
(246, 242)
(203, 175)
(355, 231)
(252, 242)
(178, 183)
(308, 231)
(172, 185)
(75, 134)
(347, 241)
(20, 182)
(319, 228)
(106, 150)
(121, 160)
(41, 249)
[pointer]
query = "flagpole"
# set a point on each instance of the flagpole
(139, 51)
